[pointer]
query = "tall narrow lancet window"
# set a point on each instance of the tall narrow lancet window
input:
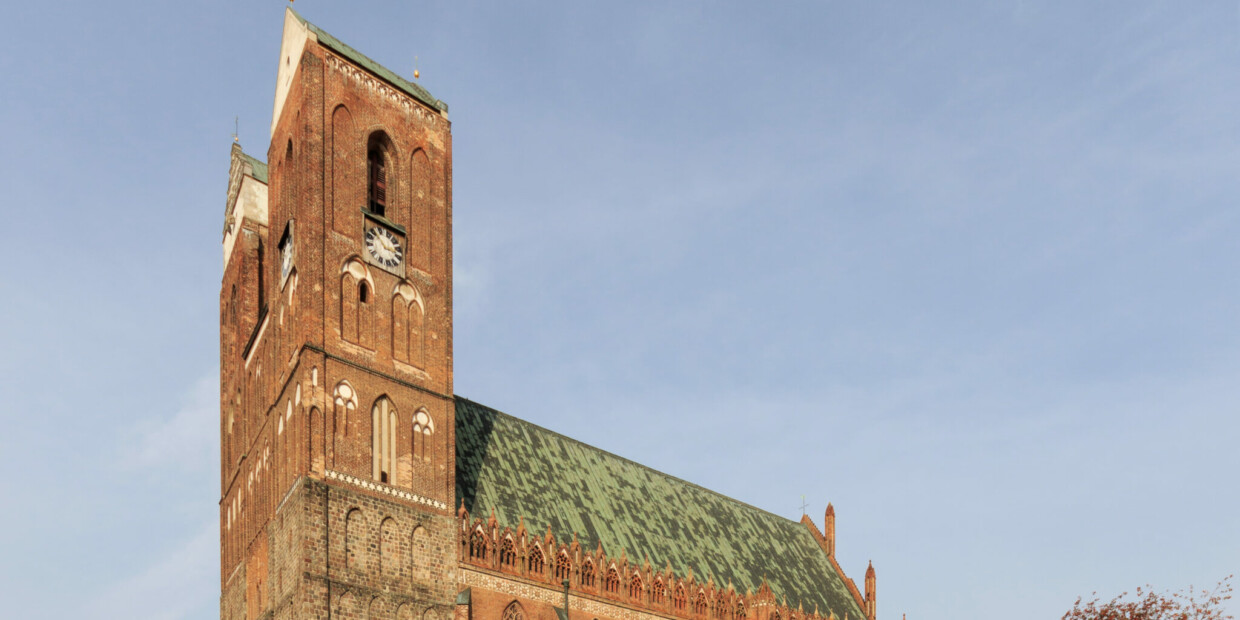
(612, 583)
(563, 566)
(383, 440)
(377, 165)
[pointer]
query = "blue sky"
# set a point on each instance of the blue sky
(967, 270)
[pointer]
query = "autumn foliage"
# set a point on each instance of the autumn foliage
(1150, 605)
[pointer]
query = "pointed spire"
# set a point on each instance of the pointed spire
(828, 529)
(462, 513)
(492, 522)
(869, 572)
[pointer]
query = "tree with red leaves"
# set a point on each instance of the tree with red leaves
(1150, 605)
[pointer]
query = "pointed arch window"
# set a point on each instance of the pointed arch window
(699, 603)
(536, 561)
(377, 173)
(657, 592)
(508, 552)
(423, 428)
(478, 545)
(563, 566)
(678, 599)
(721, 607)
(635, 587)
(612, 583)
(514, 612)
(738, 613)
(587, 574)
(383, 440)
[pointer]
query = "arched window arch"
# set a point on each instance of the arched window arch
(587, 574)
(536, 562)
(721, 606)
(356, 290)
(635, 587)
(354, 543)
(514, 612)
(738, 613)
(563, 566)
(612, 583)
(478, 545)
(423, 428)
(678, 599)
(508, 552)
(378, 165)
(408, 321)
(658, 591)
(774, 615)
(383, 440)
(699, 603)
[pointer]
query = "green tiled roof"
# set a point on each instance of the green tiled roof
(260, 168)
(524, 471)
(334, 44)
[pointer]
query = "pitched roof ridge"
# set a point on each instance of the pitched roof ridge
(256, 162)
(371, 65)
(631, 461)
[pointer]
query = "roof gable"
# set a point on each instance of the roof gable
(524, 471)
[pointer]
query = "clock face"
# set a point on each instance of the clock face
(384, 246)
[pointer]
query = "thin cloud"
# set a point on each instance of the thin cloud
(180, 584)
(187, 439)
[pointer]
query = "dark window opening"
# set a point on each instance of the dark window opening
(363, 293)
(377, 199)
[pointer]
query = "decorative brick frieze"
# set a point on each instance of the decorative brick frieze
(378, 487)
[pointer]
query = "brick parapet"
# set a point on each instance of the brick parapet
(481, 550)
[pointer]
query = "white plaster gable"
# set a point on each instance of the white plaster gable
(292, 44)
(249, 204)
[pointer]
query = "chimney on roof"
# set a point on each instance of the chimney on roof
(828, 529)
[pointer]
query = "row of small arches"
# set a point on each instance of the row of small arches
(612, 583)
(385, 425)
(356, 605)
(408, 313)
(399, 548)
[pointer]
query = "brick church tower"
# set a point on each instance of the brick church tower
(337, 417)
(354, 484)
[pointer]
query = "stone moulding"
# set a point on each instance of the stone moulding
(378, 487)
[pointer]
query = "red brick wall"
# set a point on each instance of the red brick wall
(280, 420)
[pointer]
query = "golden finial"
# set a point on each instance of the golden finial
(416, 74)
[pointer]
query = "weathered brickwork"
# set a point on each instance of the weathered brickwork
(328, 352)
(338, 453)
